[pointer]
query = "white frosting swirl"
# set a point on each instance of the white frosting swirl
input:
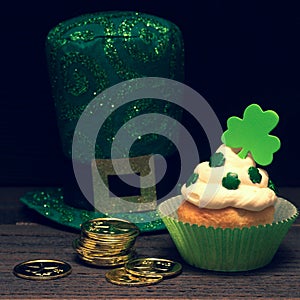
(209, 192)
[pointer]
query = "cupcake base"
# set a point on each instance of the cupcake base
(228, 250)
(228, 217)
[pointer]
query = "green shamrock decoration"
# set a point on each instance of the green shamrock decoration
(254, 175)
(252, 134)
(192, 179)
(231, 181)
(217, 160)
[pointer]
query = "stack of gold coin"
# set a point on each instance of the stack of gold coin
(144, 271)
(106, 242)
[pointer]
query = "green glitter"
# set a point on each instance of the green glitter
(86, 215)
(150, 32)
(86, 35)
(80, 85)
(57, 210)
(217, 160)
(231, 181)
(88, 74)
(254, 175)
(67, 216)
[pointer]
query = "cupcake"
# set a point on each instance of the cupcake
(228, 216)
(243, 197)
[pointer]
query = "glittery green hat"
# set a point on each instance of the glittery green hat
(86, 55)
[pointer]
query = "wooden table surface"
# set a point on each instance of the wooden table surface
(25, 235)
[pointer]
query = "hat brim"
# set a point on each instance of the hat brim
(49, 202)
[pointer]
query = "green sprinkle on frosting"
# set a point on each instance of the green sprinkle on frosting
(231, 181)
(272, 186)
(254, 175)
(217, 160)
(192, 179)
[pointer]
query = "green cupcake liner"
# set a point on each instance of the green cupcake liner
(228, 250)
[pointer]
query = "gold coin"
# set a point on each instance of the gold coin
(83, 249)
(92, 244)
(42, 269)
(100, 264)
(121, 276)
(107, 237)
(109, 227)
(107, 260)
(151, 266)
(95, 253)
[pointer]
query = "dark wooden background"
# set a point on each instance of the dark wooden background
(237, 53)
